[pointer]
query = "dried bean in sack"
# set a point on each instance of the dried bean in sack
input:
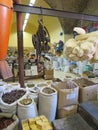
(8, 121)
(8, 100)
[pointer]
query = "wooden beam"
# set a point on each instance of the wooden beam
(51, 12)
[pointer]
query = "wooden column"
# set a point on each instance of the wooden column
(20, 49)
(20, 46)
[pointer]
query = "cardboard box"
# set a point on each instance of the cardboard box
(67, 93)
(49, 72)
(48, 76)
(88, 93)
(67, 111)
(87, 90)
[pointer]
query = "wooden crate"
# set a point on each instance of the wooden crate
(75, 122)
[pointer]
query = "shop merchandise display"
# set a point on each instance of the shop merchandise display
(12, 96)
(37, 105)
(62, 99)
(8, 121)
(26, 108)
(4, 122)
(37, 123)
(48, 95)
(9, 99)
(87, 89)
(82, 47)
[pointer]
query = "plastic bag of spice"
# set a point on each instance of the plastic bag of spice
(8, 121)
